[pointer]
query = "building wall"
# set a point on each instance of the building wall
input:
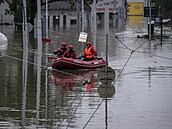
(135, 8)
(136, 0)
(113, 7)
(117, 10)
(61, 13)
(5, 18)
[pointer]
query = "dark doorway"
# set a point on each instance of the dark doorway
(73, 22)
(64, 19)
(56, 20)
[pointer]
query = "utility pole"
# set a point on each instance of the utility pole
(25, 64)
(46, 16)
(94, 23)
(39, 59)
(78, 13)
(39, 26)
(83, 22)
(25, 27)
(161, 18)
(150, 13)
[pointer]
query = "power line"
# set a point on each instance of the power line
(116, 79)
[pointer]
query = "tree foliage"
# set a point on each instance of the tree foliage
(16, 7)
(165, 5)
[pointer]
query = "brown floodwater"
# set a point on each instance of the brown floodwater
(33, 95)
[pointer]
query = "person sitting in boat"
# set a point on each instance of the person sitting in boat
(60, 52)
(90, 53)
(70, 53)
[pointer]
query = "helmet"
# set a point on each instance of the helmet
(88, 43)
(63, 44)
(70, 47)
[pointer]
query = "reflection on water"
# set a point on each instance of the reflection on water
(24, 82)
(72, 81)
(109, 92)
(67, 91)
(135, 22)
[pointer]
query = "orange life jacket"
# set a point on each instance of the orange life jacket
(88, 53)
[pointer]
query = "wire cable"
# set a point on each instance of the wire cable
(114, 81)
(123, 43)
(106, 94)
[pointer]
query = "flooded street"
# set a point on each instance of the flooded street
(32, 95)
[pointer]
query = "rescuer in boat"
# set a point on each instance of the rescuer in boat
(90, 53)
(70, 53)
(60, 52)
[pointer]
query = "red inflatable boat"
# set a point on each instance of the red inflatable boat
(69, 63)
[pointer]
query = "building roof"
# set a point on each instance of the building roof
(63, 5)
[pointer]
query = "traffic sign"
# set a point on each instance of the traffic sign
(106, 78)
(106, 90)
(30, 27)
(154, 11)
(157, 21)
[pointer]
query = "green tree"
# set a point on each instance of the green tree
(16, 7)
(31, 10)
(166, 7)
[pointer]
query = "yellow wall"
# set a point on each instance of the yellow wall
(135, 8)
(135, 22)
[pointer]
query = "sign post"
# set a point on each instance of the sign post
(83, 18)
(106, 27)
(107, 76)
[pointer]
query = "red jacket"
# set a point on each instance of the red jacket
(60, 52)
(70, 54)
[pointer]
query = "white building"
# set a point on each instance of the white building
(64, 13)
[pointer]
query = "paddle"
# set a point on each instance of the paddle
(51, 56)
